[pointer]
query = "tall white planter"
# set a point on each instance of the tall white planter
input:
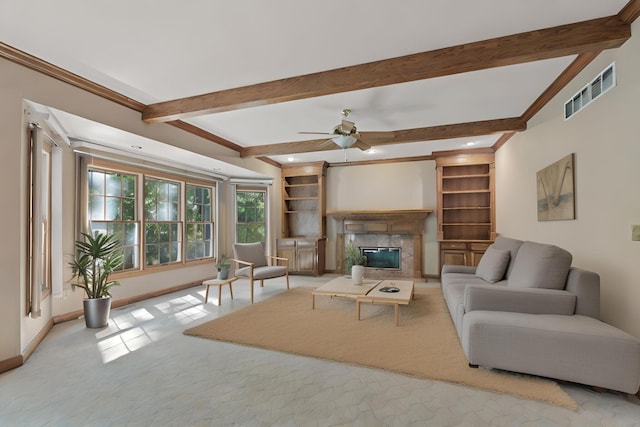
(357, 274)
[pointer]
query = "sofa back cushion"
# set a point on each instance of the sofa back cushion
(512, 245)
(538, 265)
(493, 264)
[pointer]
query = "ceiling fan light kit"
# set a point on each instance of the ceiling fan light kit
(345, 135)
(344, 141)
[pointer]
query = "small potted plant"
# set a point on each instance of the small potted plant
(97, 256)
(354, 262)
(223, 265)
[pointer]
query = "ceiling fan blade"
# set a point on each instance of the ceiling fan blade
(347, 126)
(315, 133)
(325, 143)
(377, 137)
(361, 145)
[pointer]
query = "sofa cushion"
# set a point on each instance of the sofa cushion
(538, 265)
(493, 264)
(512, 245)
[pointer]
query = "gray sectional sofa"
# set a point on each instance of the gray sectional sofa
(526, 309)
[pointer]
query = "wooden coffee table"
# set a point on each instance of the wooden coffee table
(376, 296)
(369, 292)
(343, 287)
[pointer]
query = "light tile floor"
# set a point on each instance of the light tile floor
(142, 371)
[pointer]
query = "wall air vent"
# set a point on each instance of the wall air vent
(598, 86)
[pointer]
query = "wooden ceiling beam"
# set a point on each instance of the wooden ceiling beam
(564, 40)
(432, 133)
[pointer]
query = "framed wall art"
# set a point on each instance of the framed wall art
(556, 200)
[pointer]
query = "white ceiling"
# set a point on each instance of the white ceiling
(154, 51)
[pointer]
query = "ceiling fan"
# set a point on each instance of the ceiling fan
(345, 135)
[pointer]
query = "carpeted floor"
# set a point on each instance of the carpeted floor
(424, 345)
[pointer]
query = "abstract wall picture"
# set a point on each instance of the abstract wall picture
(556, 191)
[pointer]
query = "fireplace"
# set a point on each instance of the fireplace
(386, 258)
(391, 240)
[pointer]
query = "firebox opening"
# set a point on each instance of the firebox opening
(388, 258)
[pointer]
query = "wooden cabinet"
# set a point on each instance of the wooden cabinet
(466, 206)
(306, 256)
(462, 253)
(304, 217)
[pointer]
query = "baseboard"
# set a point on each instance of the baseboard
(11, 363)
(35, 342)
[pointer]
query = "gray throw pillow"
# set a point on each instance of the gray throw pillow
(493, 264)
(539, 265)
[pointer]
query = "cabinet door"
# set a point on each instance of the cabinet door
(453, 257)
(288, 252)
(306, 257)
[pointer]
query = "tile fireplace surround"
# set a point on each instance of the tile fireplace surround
(384, 229)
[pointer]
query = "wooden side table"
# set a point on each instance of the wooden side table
(219, 284)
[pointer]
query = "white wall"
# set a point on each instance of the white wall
(387, 186)
(605, 138)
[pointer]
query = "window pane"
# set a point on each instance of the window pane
(151, 233)
(113, 209)
(163, 233)
(174, 192)
(96, 182)
(114, 186)
(151, 255)
(175, 252)
(129, 209)
(131, 234)
(173, 211)
(129, 186)
(96, 207)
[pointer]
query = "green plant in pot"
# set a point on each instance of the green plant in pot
(96, 257)
(223, 265)
(354, 258)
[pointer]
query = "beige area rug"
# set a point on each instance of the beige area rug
(424, 345)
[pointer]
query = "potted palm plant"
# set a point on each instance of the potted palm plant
(97, 256)
(354, 262)
(223, 265)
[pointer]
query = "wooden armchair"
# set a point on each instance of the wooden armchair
(252, 263)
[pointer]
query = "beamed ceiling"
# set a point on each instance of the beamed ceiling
(251, 75)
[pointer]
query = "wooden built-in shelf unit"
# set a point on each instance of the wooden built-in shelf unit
(466, 206)
(304, 217)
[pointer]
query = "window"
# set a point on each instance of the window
(39, 225)
(162, 226)
(161, 220)
(112, 210)
(199, 228)
(250, 216)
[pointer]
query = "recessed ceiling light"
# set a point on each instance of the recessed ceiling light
(471, 143)
(290, 159)
(371, 151)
